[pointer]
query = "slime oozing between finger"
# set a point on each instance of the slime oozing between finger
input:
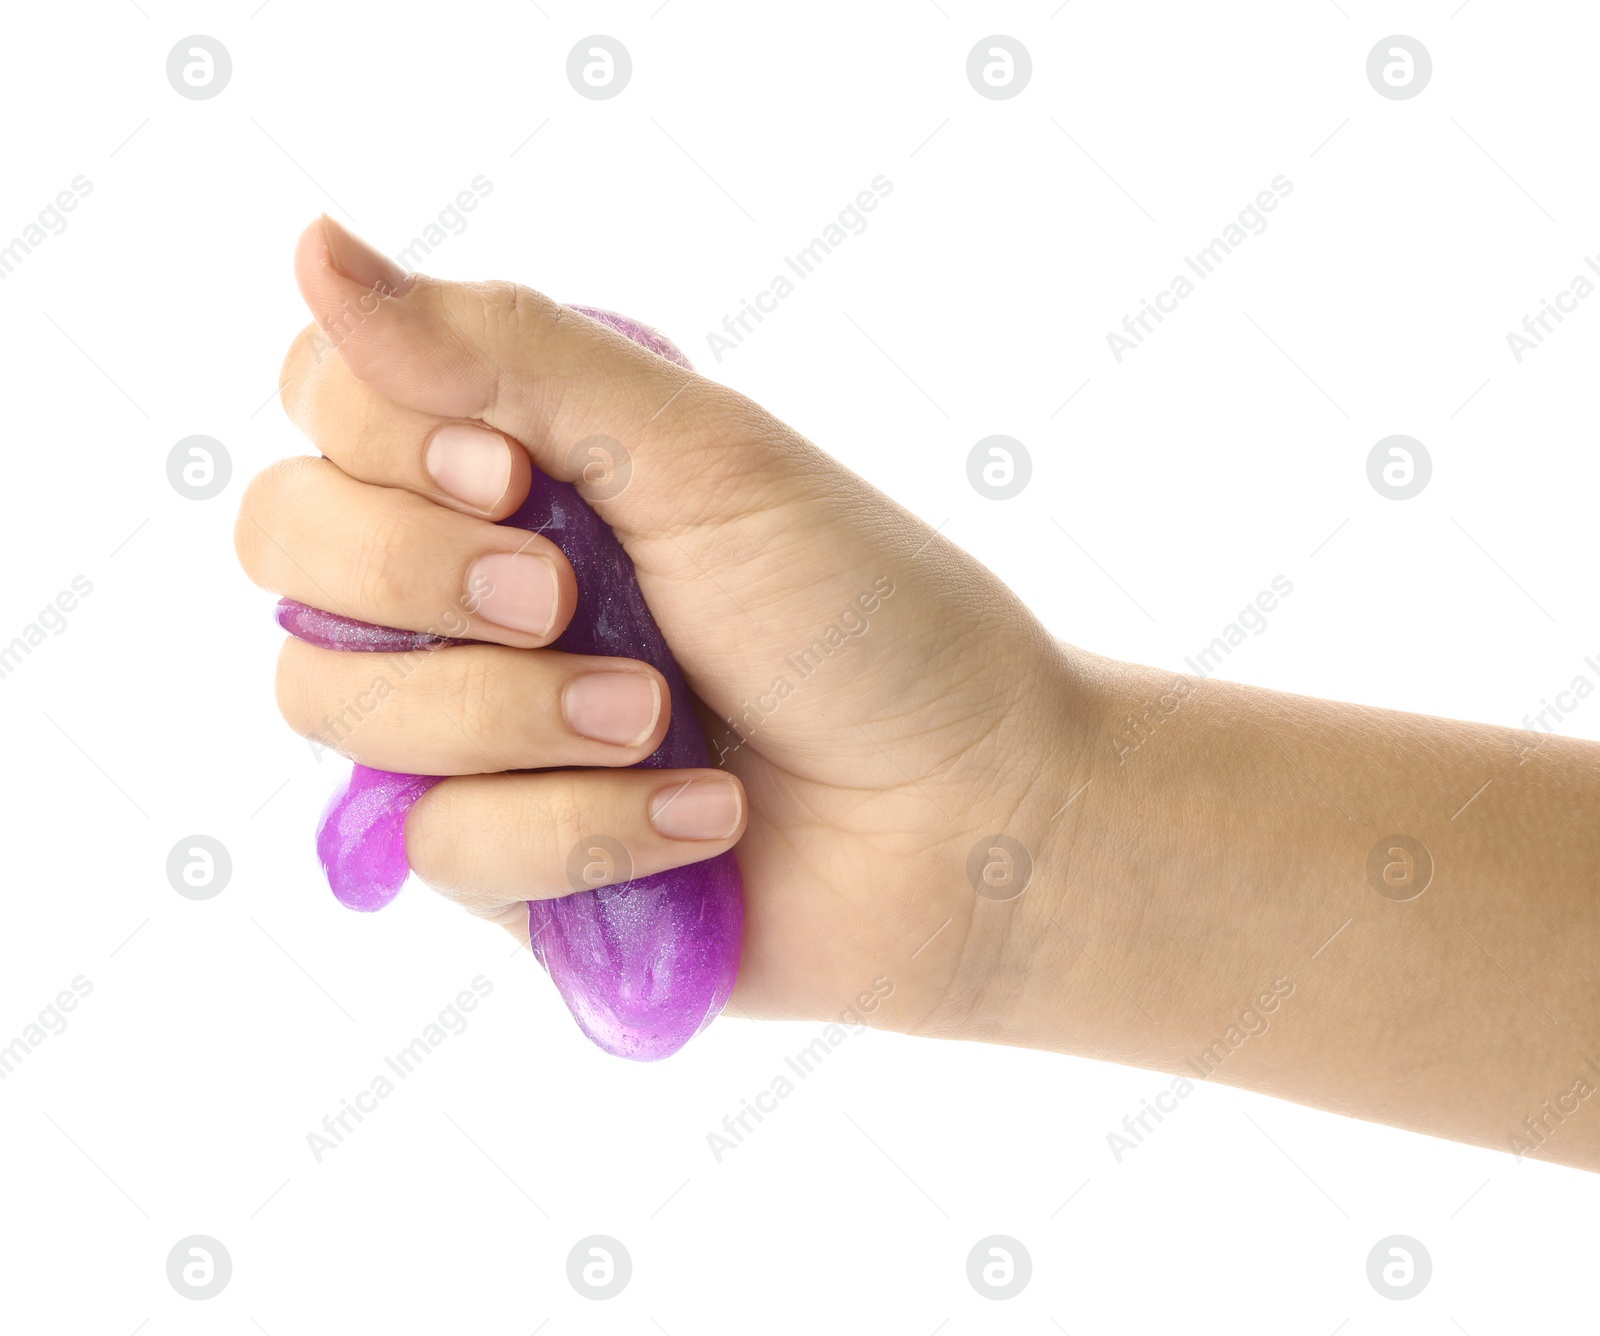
(644, 965)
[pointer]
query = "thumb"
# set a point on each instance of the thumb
(568, 387)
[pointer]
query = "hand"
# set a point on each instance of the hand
(875, 699)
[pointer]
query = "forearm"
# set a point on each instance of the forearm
(1205, 907)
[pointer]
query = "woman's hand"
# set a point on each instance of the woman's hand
(879, 706)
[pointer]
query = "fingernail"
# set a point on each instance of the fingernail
(612, 707)
(360, 262)
(514, 590)
(700, 809)
(470, 463)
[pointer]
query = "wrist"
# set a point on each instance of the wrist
(1044, 947)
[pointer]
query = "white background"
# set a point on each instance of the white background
(1222, 453)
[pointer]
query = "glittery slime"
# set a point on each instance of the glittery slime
(643, 966)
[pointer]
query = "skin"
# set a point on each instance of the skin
(1197, 896)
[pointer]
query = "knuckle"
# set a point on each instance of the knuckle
(445, 848)
(513, 311)
(346, 420)
(507, 315)
(475, 699)
(295, 690)
(439, 843)
(352, 425)
(382, 560)
(574, 855)
(299, 373)
(260, 511)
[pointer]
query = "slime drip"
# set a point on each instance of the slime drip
(643, 966)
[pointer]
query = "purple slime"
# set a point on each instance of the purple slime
(643, 966)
